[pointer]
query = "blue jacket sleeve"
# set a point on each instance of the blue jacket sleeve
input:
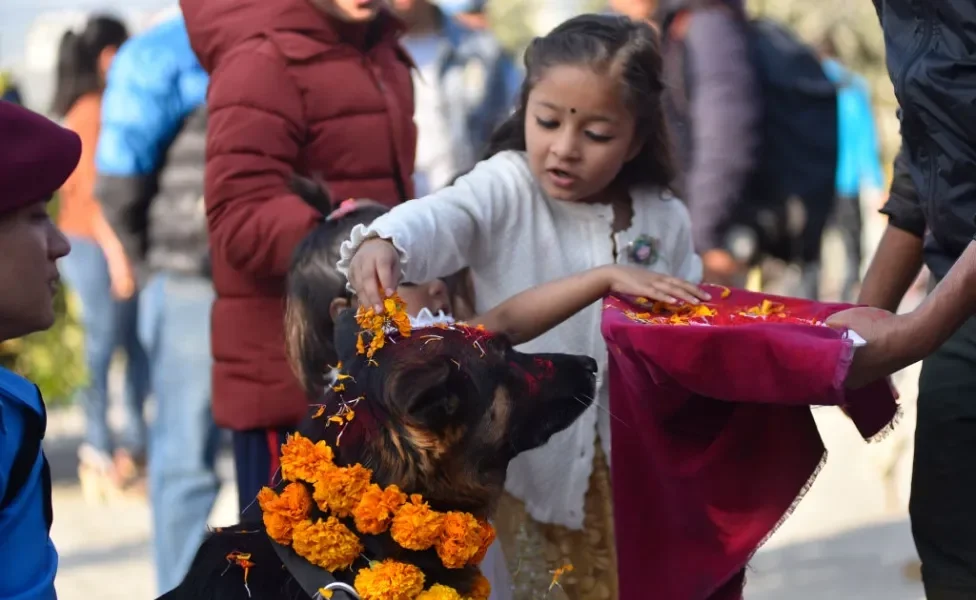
(726, 114)
(154, 83)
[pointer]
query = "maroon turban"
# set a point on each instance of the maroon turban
(36, 156)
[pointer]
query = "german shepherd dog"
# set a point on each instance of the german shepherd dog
(443, 413)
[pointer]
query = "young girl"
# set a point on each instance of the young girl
(98, 270)
(576, 178)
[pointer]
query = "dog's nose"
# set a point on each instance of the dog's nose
(588, 364)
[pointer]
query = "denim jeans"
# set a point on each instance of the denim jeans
(108, 324)
(174, 325)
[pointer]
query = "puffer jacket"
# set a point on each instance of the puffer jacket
(154, 86)
(929, 52)
(291, 91)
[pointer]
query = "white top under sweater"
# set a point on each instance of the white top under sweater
(498, 221)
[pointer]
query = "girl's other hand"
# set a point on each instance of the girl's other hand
(374, 272)
(633, 281)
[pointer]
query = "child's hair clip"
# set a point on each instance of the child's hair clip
(345, 207)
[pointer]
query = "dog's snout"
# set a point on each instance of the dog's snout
(588, 364)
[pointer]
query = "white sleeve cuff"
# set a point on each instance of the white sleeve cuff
(361, 233)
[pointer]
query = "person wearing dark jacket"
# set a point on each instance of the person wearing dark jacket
(318, 88)
(715, 110)
(150, 163)
(931, 209)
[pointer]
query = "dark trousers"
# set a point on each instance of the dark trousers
(256, 455)
(943, 501)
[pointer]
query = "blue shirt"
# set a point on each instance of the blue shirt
(29, 561)
(858, 155)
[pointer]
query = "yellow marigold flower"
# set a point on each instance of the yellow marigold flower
(301, 460)
(440, 592)
(460, 540)
(389, 580)
(375, 511)
(487, 537)
(327, 544)
(341, 489)
(394, 314)
(416, 526)
(282, 513)
(481, 589)
(325, 593)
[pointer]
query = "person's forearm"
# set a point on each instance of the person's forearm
(528, 315)
(894, 268)
(950, 304)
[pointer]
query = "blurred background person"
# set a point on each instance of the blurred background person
(150, 183)
(858, 162)
(465, 85)
(97, 269)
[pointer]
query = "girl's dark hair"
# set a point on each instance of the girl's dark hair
(610, 44)
(78, 55)
(313, 282)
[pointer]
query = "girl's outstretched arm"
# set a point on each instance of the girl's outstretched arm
(528, 315)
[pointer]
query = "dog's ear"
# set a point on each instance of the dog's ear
(423, 394)
(313, 192)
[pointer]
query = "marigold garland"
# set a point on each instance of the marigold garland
(440, 592)
(301, 460)
(282, 513)
(393, 318)
(481, 589)
(327, 544)
(460, 541)
(416, 526)
(389, 580)
(341, 489)
(377, 509)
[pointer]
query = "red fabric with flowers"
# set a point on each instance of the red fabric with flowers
(713, 437)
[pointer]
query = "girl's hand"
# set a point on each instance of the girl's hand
(374, 272)
(633, 281)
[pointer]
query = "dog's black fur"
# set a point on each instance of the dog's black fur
(444, 413)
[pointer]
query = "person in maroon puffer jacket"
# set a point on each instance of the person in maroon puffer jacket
(316, 88)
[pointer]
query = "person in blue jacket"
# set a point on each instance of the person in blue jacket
(858, 160)
(36, 157)
(149, 182)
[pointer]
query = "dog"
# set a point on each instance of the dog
(442, 414)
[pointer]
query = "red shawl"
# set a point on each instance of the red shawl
(713, 438)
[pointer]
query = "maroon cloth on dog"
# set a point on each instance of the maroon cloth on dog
(713, 437)
(36, 156)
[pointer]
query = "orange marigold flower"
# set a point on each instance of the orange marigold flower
(460, 540)
(440, 592)
(341, 489)
(487, 537)
(394, 315)
(282, 513)
(416, 526)
(327, 544)
(480, 589)
(375, 511)
(301, 460)
(389, 580)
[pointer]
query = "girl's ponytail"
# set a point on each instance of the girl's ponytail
(79, 69)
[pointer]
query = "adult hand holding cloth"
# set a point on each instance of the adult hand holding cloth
(714, 442)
